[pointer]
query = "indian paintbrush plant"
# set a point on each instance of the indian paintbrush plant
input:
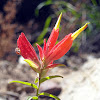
(47, 55)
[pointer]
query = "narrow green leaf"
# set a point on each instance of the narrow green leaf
(36, 80)
(35, 98)
(39, 42)
(47, 22)
(94, 2)
(41, 5)
(32, 98)
(25, 83)
(45, 29)
(49, 95)
(32, 65)
(49, 77)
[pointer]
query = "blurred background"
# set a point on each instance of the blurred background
(36, 18)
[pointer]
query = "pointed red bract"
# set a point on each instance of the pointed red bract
(26, 49)
(40, 52)
(60, 49)
(45, 48)
(52, 39)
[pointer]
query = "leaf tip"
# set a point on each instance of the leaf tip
(58, 22)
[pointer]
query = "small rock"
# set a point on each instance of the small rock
(50, 87)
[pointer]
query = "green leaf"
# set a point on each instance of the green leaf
(49, 95)
(36, 80)
(45, 29)
(32, 65)
(35, 98)
(49, 77)
(46, 3)
(39, 42)
(94, 2)
(25, 83)
(32, 98)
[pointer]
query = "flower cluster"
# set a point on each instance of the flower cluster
(50, 51)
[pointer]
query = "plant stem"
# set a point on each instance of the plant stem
(37, 93)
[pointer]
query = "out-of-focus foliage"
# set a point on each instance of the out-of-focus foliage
(75, 14)
(45, 30)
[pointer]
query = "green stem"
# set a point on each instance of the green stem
(37, 92)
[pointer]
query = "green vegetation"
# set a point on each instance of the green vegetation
(75, 14)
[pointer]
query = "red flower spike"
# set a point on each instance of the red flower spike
(50, 51)
(26, 49)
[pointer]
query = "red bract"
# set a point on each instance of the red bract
(52, 39)
(26, 49)
(59, 49)
(50, 51)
